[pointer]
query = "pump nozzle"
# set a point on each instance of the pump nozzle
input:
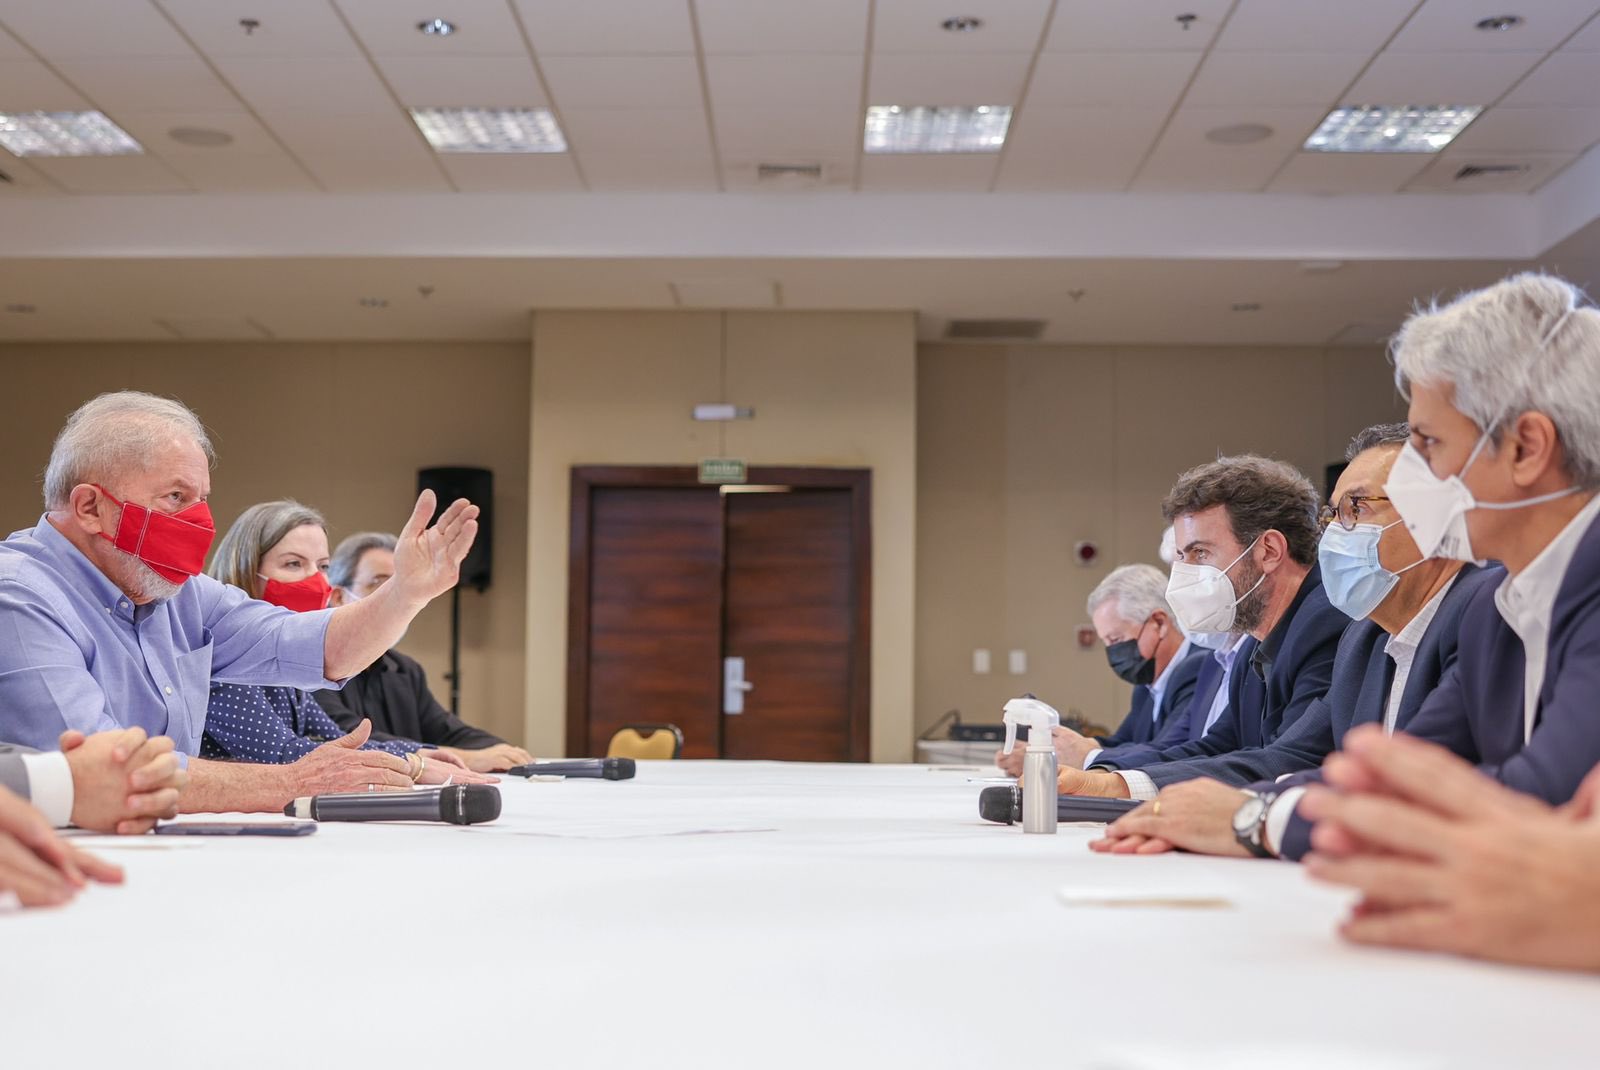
(1040, 718)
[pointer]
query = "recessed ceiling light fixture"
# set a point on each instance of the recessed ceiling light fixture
(896, 128)
(64, 133)
(1395, 128)
(1496, 23)
(200, 137)
(490, 129)
(962, 23)
(1239, 134)
(436, 28)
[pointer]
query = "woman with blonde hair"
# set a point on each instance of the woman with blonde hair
(278, 552)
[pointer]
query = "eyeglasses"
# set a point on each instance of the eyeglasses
(1347, 511)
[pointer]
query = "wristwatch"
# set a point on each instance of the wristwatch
(1250, 823)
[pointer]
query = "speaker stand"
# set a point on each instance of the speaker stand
(454, 676)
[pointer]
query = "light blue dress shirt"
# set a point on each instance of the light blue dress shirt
(76, 653)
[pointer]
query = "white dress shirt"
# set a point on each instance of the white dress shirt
(1402, 650)
(50, 786)
(1527, 599)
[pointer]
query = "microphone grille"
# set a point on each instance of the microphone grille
(618, 768)
(469, 804)
(999, 804)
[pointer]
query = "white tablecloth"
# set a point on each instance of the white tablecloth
(736, 915)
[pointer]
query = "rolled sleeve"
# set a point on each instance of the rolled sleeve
(256, 643)
(50, 786)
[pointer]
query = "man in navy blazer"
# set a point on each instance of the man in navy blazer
(1147, 649)
(1388, 662)
(1253, 523)
(1503, 463)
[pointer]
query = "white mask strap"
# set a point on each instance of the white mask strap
(1560, 322)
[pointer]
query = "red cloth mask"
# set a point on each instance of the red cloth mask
(173, 544)
(302, 596)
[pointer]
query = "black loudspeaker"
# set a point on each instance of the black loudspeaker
(1330, 476)
(477, 486)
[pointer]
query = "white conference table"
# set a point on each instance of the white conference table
(714, 914)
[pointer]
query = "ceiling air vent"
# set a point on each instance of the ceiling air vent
(778, 172)
(1491, 170)
(995, 330)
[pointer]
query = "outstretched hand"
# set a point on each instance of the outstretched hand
(427, 560)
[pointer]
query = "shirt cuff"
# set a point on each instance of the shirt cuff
(1278, 815)
(1140, 786)
(50, 786)
(1089, 761)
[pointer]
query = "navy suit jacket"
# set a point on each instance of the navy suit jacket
(1301, 650)
(1138, 726)
(1363, 676)
(1178, 702)
(1477, 710)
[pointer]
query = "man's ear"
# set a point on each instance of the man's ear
(1163, 621)
(1535, 448)
(336, 599)
(1272, 550)
(92, 510)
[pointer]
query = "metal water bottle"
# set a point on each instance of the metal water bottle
(1038, 763)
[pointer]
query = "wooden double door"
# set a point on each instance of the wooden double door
(740, 614)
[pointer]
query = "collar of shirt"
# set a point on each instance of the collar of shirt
(1226, 655)
(60, 551)
(1158, 686)
(1526, 600)
(1404, 643)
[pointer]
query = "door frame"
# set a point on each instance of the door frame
(585, 479)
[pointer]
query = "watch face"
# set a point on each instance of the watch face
(1249, 812)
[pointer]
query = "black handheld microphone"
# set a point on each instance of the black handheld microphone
(1004, 806)
(597, 768)
(458, 804)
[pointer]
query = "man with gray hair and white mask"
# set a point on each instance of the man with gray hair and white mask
(107, 622)
(1145, 648)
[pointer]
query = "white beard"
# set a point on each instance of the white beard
(143, 584)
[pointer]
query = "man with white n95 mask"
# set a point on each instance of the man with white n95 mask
(1247, 534)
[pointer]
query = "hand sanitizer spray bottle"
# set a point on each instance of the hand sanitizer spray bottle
(1038, 763)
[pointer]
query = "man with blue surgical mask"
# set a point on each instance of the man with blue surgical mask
(1503, 464)
(1247, 536)
(1504, 386)
(1407, 611)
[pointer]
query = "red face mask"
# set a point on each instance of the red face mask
(173, 544)
(302, 596)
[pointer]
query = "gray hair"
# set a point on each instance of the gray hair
(1521, 345)
(237, 558)
(1375, 436)
(1139, 590)
(347, 557)
(113, 434)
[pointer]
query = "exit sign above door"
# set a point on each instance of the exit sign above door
(724, 470)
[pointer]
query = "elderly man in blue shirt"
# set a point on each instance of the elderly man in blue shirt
(106, 621)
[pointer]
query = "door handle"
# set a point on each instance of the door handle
(734, 685)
